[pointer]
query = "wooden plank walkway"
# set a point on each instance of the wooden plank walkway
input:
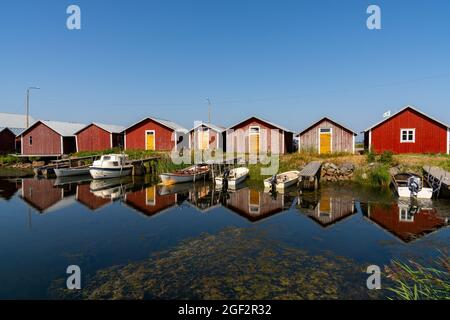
(311, 169)
(438, 173)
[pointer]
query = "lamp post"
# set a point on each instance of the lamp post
(209, 110)
(28, 103)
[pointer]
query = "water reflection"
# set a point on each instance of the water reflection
(8, 188)
(326, 209)
(406, 221)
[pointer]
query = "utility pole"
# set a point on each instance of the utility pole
(209, 110)
(28, 104)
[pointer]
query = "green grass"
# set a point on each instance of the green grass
(412, 281)
(7, 160)
(376, 176)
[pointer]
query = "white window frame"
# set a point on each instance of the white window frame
(407, 134)
(154, 138)
(331, 142)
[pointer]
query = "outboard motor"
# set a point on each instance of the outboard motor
(414, 185)
(273, 183)
(225, 176)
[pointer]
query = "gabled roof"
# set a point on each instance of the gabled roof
(263, 120)
(403, 109)
(169, 124)
(209, 125)
(14, 122)
(65, 129)
(322, 120)
(107, 127)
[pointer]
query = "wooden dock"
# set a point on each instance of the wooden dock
(439, 179)
(143, 166)
(310, 175)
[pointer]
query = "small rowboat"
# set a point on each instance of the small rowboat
(189, 174)
(234, 177)
(70, 172)
(410, 185)
(282, 181)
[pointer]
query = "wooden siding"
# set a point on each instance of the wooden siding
(213, 137)
(330, 210)
(135, 136)
(7, 141)
(45, 141)
(93, 138)
(237, 141)
(430, 136)
(342, 139)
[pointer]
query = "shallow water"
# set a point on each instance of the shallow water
(191, 241)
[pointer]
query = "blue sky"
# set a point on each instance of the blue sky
(292, 62)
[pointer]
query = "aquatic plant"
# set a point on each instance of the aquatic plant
(232, 264)
(413, 281)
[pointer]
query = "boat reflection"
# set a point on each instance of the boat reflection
(326, 209)
(406, 221)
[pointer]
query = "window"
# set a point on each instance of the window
(30, 141)
(254, 130)
(407, 135)
(325, 130)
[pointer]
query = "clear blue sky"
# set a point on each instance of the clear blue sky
(292, 62)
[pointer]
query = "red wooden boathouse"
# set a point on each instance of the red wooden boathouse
(408, 131)
(98, 137)
(156, 134)
(258, 136)
(50, 138)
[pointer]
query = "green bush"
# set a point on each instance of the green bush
(387, 157)
(371, 157)
(379, 176)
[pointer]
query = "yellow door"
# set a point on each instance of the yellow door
(254, 143)
(325, 142)
(150, 141)
(150, 196)
(254, 197)
(204, 140)
(325, 205)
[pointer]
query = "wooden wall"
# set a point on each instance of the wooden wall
(342, 139)
(45, 141)
(135, 137)
(93, 138)
(7, 141)
(237, 141)
(213, 137)
(431, 137)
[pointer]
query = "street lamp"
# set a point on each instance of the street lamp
(28, 103)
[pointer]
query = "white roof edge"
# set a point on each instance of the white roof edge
(209, 125)
(403, 109)
(263, 120)
(328, 118)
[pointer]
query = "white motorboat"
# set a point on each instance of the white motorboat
(111, 166)
(70, 172)
(410, 185)
(283, 180)
(193, 173)
(234, 177)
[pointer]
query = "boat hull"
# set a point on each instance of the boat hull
(169, 178)
(231, 182)
(107, 173)
(281, 185)
(425, 193)
(68, 172)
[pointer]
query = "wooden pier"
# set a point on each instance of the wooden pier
(309, 176)
(143, 166)
(439, 179)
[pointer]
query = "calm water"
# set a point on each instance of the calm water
(133, 239)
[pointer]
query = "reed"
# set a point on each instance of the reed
(413, 281)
